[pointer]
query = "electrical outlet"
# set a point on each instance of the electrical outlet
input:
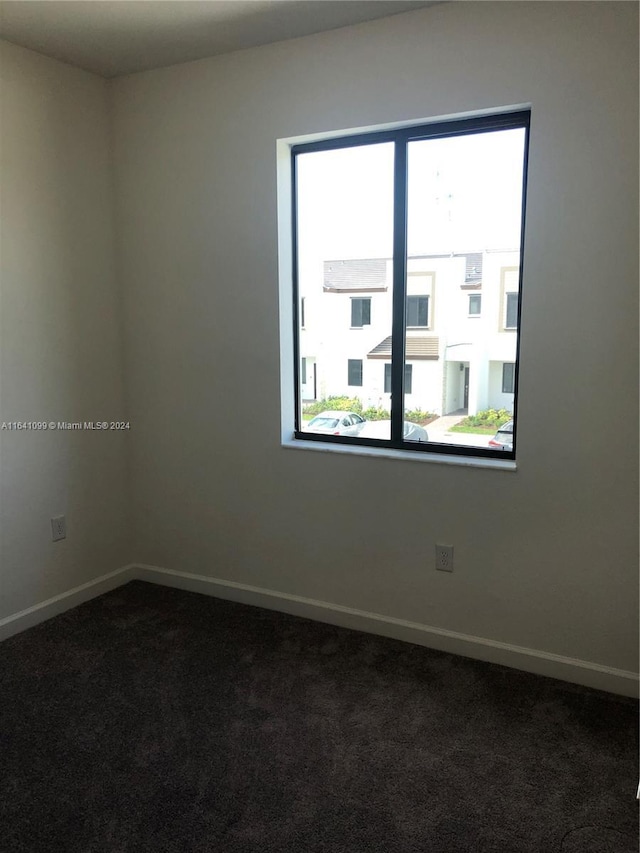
(58, 528)
(444, 558)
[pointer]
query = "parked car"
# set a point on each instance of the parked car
(503, 439)
(336, 423)
(382, 429)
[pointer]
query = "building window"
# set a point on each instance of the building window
(417, 311)
(509, 298)
(355, 371)
(508, 377)
(302, 307)
(360, 313)
(400, 213)
(408, 375)
(303, 371)
(475, 304)
(511, 311)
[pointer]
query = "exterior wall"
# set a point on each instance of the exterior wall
(426, 386)
(464, 341)
(453, 392)
(497, 398)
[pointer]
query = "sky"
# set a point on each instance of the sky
(464, 194)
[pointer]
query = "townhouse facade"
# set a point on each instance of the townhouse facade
(461, 331)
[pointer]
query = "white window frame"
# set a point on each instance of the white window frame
(351, 307)
(477, 313)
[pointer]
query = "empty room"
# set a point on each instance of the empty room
(319, 426)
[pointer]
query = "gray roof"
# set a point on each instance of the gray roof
(423, 347)
(370, 274)
(355, 276)
(473, 270)
(473, 264)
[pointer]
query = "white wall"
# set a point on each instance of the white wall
(499, 399)
(60, 332)
(545, 557)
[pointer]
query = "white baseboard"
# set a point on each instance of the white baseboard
(530, 660)
(518, 657)
(65, 601)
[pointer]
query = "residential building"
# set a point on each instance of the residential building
(461, 338)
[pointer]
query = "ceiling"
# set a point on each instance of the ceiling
(115, 37)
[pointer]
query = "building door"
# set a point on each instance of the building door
(465, 402)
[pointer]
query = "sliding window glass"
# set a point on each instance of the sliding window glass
(407, 284)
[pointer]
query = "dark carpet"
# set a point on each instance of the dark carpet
(157, 720)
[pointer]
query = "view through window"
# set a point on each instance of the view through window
(408, 249)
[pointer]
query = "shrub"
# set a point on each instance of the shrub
(418, 416)
(376, 413)
(372, 413)
(488, 417)
(348, 404)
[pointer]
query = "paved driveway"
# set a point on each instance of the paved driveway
(440, 431)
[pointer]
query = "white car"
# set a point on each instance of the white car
(382, 429)
(336, 423)
(503, 439)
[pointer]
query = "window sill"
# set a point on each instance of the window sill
(402, 455)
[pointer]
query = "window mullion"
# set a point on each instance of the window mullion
(296, 291)
(399, 288)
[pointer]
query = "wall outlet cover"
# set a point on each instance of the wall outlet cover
(444, 558)
(58, 528)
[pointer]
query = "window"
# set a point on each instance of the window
(401, 213)
(302, 306)
(475, 304)
(511, 311)
(508, 377)
(509, 298)
(407, 378)
(360, 313)
(303, 371)
(417, 310)
(355, 371)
